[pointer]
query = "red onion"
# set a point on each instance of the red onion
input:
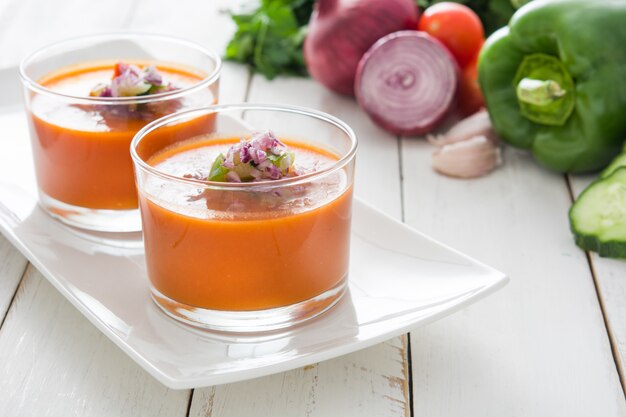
(341, 31)
(406, 82)
(263, 157)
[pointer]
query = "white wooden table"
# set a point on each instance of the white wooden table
(552, 343)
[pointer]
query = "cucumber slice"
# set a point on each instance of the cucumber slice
(618, 162)
(598, 217)
(218, 172)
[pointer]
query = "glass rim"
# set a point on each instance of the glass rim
(156, 124)
(33, 85)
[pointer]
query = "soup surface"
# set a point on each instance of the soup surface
(249, 249)
(81, 151)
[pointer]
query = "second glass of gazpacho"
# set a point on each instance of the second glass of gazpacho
(86, 98)
(247, 225)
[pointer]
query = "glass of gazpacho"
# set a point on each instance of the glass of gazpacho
(246, 226)
(87, 97)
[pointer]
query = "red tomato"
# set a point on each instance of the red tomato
(117, 70)
(457, 27)
(470, 98)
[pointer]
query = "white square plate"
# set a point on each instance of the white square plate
(399, 279)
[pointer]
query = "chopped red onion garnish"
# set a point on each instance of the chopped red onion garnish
(130, 81)
(153, 76)
(263, 157)
(232, 176)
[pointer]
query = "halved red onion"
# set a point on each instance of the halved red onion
(341, 31)
(406, 82)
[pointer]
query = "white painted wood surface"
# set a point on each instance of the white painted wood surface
(55, 363)
(539, 348)
(29, 24)
(610, 279)
(371, 382)
(12, 267)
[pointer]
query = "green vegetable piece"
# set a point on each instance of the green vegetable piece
(545, 90)
(270, 37)
(577, 44)
(282, 162)
(618, 162)
(262, 157)
(598, 217)
(539, 93)
(218, 172)
(519, 3)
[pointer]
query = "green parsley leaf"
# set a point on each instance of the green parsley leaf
(270, 37)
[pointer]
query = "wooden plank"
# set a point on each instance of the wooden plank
(26, 25)
(56, 363)
(209, 26)
(11, 270)
(539, 347)
(610, 279)
(372, 382)
(31, 23)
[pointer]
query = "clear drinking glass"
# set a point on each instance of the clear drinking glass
(80, 143)
(245, 256)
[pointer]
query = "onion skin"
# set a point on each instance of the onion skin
(417, 80)
(341, 31)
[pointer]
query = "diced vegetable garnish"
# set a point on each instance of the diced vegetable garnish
(263, 157)
(130, 81)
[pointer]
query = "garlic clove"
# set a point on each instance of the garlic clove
(474, 157)
(477, 124)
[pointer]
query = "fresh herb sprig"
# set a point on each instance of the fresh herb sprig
(270, 35)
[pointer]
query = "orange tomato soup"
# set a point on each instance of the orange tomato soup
(244, 250)
(81, 151)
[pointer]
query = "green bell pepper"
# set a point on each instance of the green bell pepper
(554, 82)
